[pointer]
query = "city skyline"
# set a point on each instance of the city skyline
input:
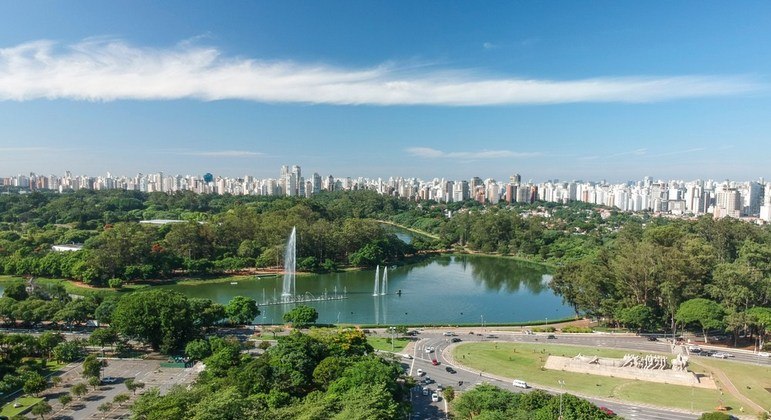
(568, 91)
(737, 199)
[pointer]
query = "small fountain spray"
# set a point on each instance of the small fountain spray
(376, 292)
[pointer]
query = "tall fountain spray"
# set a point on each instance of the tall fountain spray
(290, 266)
(376, 292)
(384, 286)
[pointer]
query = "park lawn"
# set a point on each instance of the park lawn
(26, 403)
(383, 344)
(525, 361)
(751, 380)
(70, 286)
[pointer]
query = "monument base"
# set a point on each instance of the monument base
(667, 376)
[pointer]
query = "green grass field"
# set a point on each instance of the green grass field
(525, 361)
(751, 380)
(381, 343)
(25, 404)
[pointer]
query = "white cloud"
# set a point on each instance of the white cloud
(226, 153)
(428, 152)
(105, 70)
(489, 46)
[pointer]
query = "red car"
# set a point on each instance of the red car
(434, 362)
(608, 411)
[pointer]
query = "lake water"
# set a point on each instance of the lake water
(441, 290)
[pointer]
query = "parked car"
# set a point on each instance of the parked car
(520, 383)
(420, 372)
(426, 391)
(109, 379)
(608, 411)
(434, 397)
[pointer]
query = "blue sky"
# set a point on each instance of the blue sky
(570, 90)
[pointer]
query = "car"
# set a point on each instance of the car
(519, 383)
(705, 353)
(434, 362)
(420, 372)
(694, 349)
(492, 336)
(652, 338)
(608, 411)
(551, 337)
(721, 355)
(764, 354)
(439, 387)
(429, 349)
(434, 397)
(425, 391)
(109, 379)
(456, 340)
(450, 370)
(428, 381)
(448, 334)
(407, 356)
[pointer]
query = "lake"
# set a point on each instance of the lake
(447, 289)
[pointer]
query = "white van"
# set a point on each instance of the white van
(520, 383)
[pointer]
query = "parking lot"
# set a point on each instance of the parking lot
(148, 372)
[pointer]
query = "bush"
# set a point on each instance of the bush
(544, 329)
(575, 329)
(264, 345)
(115, 283)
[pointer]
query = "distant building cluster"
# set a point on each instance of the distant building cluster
(750, 199)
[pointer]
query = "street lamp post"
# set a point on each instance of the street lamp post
(562, 391)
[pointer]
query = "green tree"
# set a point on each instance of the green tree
(160, 318)
(65, 399)
(242, 310)
(120, 399)
(16, 290)
(638, 317)
(94, 382)
(92, 367)
(103, 337)
(47, 341)
(79, 390)
(198, 349)
(69, 351)
(449, 393)
(707, 313)
(301, 316)
(105, 407)
(34, 383)
(41, 409)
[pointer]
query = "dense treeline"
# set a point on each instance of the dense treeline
(644, 275)
(221, 233)
(320, 375)
(489, 402)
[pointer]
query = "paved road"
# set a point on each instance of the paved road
(422, 360)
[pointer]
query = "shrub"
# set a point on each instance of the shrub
(575, 329)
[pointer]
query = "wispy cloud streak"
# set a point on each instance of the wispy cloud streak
(108, 70)
(427, 152)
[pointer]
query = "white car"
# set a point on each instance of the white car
(721, 355)
(429, 349)
(420, 372)
(434, 397)
(764, 354)
(407, 356)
